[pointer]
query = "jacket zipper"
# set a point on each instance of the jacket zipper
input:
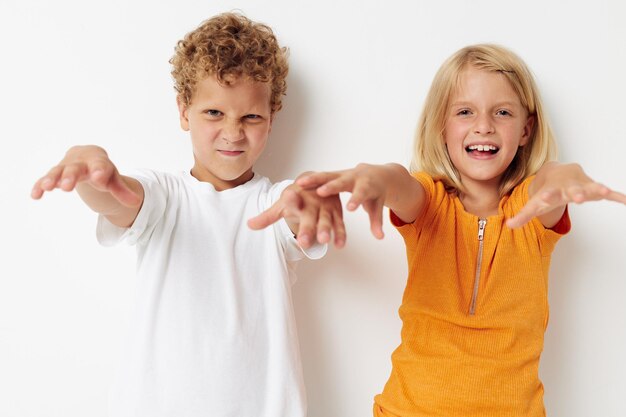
(481, 234)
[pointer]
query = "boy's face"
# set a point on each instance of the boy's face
(229, 126)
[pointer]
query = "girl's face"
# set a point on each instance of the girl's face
(485, 125)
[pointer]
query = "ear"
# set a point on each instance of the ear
(183, 109)
(528, 130)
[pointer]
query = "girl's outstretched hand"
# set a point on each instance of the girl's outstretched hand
(366, 184)
(555, 186)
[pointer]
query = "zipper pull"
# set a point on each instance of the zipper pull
(481, 228)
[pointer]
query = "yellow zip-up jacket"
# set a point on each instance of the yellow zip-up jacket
(474, 311)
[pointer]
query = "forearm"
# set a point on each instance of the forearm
(542, 176)
(405, 196)
(103, 202)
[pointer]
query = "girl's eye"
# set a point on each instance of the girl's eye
(463, 112)
(503, 113)
(214, 113)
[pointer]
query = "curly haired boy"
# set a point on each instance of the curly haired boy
(214, 330)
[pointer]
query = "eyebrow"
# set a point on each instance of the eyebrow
(498, 104)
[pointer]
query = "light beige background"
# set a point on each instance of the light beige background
(97, 72)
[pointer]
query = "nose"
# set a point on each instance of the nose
(232, 131)
(483, 124)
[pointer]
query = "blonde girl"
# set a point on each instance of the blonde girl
(480, 214)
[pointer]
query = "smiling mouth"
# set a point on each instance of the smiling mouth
(482, 149)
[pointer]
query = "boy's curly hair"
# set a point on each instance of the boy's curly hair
(230, 45)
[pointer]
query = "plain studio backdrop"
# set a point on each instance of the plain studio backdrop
(80, 72)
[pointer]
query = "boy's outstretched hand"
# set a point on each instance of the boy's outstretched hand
(555, 186)
(91, 165)
(89, 170)
(368, 185)
(308, 215)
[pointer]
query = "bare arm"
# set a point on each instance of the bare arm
(89, 170)
(554, 187)
(373, 186)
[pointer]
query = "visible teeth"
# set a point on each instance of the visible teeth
(482, 148)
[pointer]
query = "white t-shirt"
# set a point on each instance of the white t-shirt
(214, 332)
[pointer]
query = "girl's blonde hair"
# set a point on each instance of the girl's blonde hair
(430, 153)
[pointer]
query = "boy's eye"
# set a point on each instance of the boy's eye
(252, 117)
(213, 113)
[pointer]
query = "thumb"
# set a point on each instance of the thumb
(288, 202)
(266, 218)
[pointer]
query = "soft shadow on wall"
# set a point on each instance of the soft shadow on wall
(348, 286)
(280, 158)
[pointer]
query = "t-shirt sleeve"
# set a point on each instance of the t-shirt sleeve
(293, 251)
(152, 209)
(548, 237)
